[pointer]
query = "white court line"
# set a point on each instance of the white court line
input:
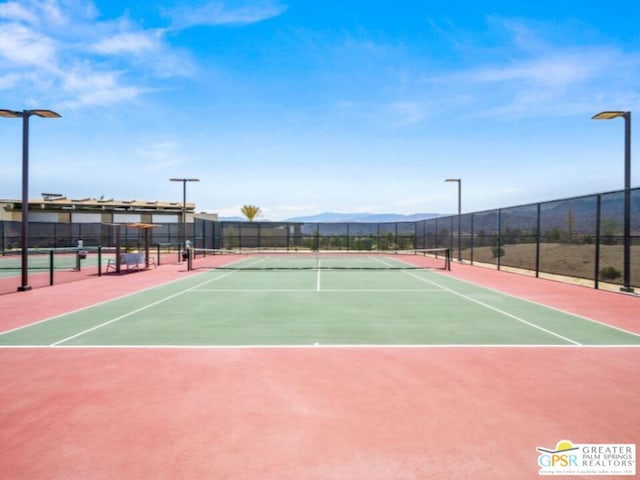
(77, 310)
(325, 290)
(533, 302)
(113, 320)
(491, 307)
(126, 295)
(326, 346)
(540, 304)
(137, 310)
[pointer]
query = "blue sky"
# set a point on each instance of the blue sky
(302, 107)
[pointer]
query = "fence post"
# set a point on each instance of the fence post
(472, 237)
(51, 267)
(259, 236)
(499, 238)
(436, 239)
(451, 234)
(538, 233)
(596, 282)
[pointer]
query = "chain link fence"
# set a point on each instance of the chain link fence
(579, 237)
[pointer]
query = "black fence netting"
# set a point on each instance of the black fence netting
(581, 237)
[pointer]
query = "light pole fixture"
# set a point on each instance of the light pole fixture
(184, 206)
(609, 115)
(25, 114)
(459, 181)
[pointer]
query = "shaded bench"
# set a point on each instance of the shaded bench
(131, 261)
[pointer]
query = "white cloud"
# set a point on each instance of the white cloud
(216, 12)
(17, 11)
(404, 113)
(136, 43)
(90, 88)
(554, 69)
(23, 46)
(158, 151)
(60, 50)
(550, 82)
(52, 12)
(9, 81)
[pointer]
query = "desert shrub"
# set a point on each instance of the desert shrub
(610, 273)
(497, 250)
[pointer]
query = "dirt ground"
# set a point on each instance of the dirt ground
(563, 259)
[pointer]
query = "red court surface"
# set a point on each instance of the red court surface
(312, 413)
(308, 413)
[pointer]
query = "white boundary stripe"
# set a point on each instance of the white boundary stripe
(540, 304)
(137, 310)
(326, 346)
(193, 289)
(498, 310)
(132, 312)
(491, 307)
(126, 295)
(326, 290)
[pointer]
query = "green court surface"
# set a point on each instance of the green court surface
(41, 262)
(318, 307)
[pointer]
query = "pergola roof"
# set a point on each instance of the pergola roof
(141, 226)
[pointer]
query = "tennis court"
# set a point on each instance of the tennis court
(40, 260)
(317, 366)
(320, 300)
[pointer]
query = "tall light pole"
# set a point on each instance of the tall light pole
(627, 191)
(184, 206)
(459, 181)
(25, 114)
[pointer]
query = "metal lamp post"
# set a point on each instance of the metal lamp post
(25, 114)
(609, 115)
(184, 206)
(459, 181)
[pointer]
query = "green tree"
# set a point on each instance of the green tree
(609, 229)
(553, 236)
(496, 249)
(251, 212)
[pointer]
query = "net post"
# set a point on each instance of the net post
(51, 267)
(190, 259)
(99, 260)
(447, 259)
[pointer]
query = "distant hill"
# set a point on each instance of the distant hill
(334, 217)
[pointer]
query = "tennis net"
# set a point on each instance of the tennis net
(435, 258)
(43, 259)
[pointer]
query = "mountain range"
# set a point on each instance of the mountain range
(334, 217)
